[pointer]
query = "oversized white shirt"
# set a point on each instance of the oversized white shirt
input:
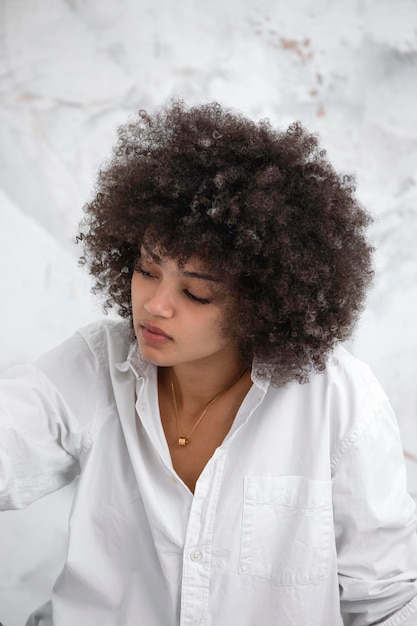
(300, 518)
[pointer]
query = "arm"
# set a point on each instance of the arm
(375, 525)
(46, 413)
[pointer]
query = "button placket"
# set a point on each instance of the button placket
(197, 556)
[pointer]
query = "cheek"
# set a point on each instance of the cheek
(135, 284)
(135, 291)
(214, 331)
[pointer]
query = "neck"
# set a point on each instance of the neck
(195, 385)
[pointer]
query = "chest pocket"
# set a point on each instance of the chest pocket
(286, 529)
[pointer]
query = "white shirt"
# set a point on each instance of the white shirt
(300, 518)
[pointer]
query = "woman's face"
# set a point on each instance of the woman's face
(178, 312)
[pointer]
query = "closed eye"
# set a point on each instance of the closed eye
(188, 294)
(139, 269)
(191, 296)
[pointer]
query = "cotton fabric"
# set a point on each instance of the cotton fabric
(300, 518)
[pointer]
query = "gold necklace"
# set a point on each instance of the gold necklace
(184, 439)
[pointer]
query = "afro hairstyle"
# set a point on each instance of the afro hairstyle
(260, 207)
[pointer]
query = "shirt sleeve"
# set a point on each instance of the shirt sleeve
(46, 415)
(375, 524)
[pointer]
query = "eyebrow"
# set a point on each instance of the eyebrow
(189, 274)
(200, 275)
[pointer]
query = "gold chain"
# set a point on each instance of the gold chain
(183, 440)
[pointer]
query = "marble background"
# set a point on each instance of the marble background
(72, 70)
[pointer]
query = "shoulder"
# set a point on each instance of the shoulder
(356, 402)
(89, 354)
(340, 403)
(108, 339)
(79, 374)
(345, 377)
(350, 376)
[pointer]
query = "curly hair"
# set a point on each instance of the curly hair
(262, 207)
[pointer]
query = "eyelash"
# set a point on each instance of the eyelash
(189, 295)
(137, 268)
(196, 298)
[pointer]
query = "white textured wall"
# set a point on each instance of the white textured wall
(72, 70)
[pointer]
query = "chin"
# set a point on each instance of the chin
(151, 355)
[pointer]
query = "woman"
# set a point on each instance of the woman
(237, 466)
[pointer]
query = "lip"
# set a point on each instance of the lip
(153, 334)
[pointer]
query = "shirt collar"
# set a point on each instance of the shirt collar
(135, 362)
(261, 383)
(140, 367)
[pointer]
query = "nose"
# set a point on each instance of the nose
(160, 302)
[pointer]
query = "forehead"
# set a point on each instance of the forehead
(193, 267)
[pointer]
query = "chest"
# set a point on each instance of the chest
(194, 435)
(189, 460)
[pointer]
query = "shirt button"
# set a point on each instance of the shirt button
(195, 555)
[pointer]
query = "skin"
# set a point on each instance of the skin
(177, 317)
(185, 305)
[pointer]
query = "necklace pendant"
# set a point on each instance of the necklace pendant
(182, 441)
